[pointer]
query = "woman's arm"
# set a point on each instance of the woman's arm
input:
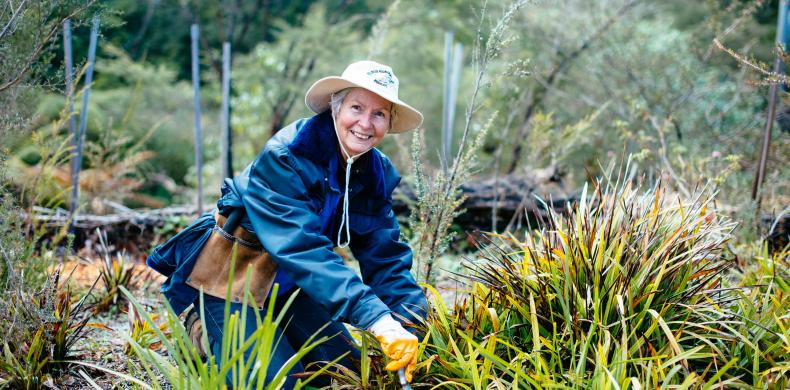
(385, 263)
(384, 260)
(285, 219)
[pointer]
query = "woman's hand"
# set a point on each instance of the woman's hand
(397, 343)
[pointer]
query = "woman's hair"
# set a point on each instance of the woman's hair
(336, 100)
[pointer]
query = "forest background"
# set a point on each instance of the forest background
(629, 78)
(567, 92)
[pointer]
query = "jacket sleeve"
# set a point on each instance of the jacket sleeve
(288, 225)
(385, 263)
(384, 260)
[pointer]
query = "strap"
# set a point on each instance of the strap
(237, 233)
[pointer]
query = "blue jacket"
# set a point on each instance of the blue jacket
(291, 194)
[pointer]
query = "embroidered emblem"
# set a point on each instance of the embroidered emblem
(382, 77)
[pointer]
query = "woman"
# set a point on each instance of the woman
(318, 183)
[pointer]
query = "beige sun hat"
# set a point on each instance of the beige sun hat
(372, 76)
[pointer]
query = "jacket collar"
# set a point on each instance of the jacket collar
(316, 141)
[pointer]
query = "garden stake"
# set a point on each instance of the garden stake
(224, 121)
(195, 35)
(76, 159)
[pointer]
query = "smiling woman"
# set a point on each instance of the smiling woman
(284, 216)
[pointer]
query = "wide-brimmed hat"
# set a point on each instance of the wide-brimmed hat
(372, 76)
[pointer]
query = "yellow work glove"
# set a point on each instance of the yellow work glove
(397, 343)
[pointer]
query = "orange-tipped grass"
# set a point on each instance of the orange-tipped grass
(610, 290)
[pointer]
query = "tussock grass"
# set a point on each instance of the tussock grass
(629, 288)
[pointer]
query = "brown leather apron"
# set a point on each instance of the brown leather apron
(213, 266)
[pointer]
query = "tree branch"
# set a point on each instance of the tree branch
(13, 16)
(564, 64)
(40, 47)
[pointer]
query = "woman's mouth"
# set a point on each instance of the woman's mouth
(363, 137)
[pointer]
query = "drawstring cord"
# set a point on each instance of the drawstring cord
(344, 220)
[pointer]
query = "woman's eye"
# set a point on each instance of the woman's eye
(381, 114)
(356, 107)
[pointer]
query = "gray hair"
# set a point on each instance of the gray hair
(336, 100)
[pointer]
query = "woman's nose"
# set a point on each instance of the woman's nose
(365, 122)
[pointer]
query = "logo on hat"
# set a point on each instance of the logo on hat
(382, 77)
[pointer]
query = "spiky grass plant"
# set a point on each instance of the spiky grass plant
(43, 331)
(184, 368)
(623, 290)
(114, 273)
(142, 332)
(368, 374)
(760, 315)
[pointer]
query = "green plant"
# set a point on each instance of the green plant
(40, 319)
(172, 225)
(114, 273)
(186, 370)
(760, 315)
(45, 327)
(142, 332)
(621, 285)
(627, 288)
(438, 202)
(369, 372)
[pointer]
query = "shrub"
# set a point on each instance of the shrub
(627, 288)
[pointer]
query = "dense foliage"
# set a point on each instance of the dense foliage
(629, 287)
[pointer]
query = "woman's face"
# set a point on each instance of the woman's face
(362, 121)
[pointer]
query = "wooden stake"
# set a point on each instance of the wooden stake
(769, 120)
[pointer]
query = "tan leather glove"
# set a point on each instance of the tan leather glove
(397, 343)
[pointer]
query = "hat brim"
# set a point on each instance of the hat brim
(320, 93)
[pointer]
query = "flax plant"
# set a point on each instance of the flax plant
(622, 289)
(629, 288)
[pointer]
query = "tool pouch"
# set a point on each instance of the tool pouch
(213, 265)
